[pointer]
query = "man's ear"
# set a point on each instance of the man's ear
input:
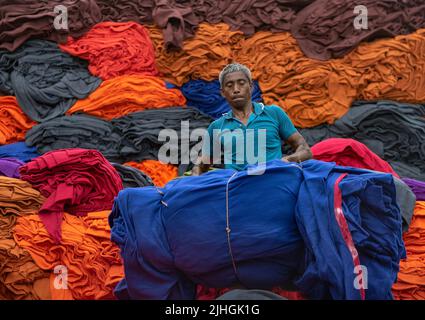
(222, 93)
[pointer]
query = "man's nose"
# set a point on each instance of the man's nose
(236, 89)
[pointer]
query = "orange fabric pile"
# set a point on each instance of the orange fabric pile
(20, 277)
(201, 57)
(411, 277)
(159, 172)
(13, 122)
(93, 263)
(311, 92)
(114, 49)
(125, 94)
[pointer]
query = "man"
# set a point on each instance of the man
(248, 120)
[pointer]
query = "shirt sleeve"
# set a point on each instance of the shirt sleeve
(286, 127)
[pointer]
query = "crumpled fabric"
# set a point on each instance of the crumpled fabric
(206, 96)
(406, 200)
(77, 181)
(75, 131)
(132, 177)
(410, 284)
(160, 173)
(325, 29)
(9, 167)
(179, 20)
(140, 132)
(24, 19)
(351, 153)
(20, 277)
(311, 92)
(349, 219)
(418, 188)
(18, 150)
(45, 80)
(13, 122)
(201, 57)
(394, 131)
(114, 49)
(125, 94)
(93, 263)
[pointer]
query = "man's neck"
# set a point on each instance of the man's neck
(243, 114)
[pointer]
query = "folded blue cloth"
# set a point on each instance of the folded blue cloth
(18, 150)
(206, 96)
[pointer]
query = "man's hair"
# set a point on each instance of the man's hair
(234, 67)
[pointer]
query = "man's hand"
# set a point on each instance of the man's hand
(301, 149)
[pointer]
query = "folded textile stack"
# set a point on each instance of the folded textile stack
(13, 122)
(18, 150)
(410, 284)
(115, 49)
(24, 19)
(202, 57)
(206, 96)
(77, 181)
(327, 29)
(418, 187)
(89, 259)
(349, 152)
(45, 80)
(141, 132)
(393, 131)
(20, 277)
(132, 177)
(122, 95)
(9, 167)
(159, 172)
(75, 131)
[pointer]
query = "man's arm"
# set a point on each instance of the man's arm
(301, 149)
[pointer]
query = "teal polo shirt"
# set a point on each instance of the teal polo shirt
(259, 141)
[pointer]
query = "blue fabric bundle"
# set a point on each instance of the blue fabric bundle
(18, 150)
(374, 220)
(174, 237)
(283, 231)
(206, 96)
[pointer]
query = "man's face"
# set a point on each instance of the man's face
(236, 89)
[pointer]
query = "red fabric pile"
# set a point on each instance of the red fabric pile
(350, 153)
(115, 49)
(77, 181)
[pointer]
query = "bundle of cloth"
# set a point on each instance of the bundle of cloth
(20, 277)
(330, 29)
(86, 255)
(77, 181)
(53, 20)
(314, 227)
(144, 134)
(206, 96)
(75, 131)
(122, 95)
(180, 19)
(159, 173)
(132, 177)
(13, 122)
(392, 130)
(45, 80)
(349, 152)
(18, 150)
(9, 167)
(114, 49)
